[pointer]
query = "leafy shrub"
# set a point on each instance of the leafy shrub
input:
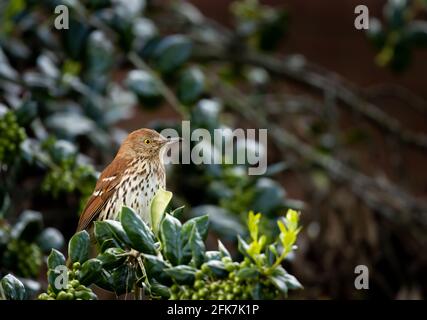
(170, 261)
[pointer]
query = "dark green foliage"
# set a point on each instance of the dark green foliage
(399, 34)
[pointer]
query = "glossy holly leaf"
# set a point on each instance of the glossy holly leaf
(140, 235)
(158, 289)
(112, 257)
(104, 237)
(90, 271)
(123, 279)
(170, 234)
(12, 288)
(201, 223)
(217, 268)
(194, 248)
(248, 273)
(155, 267)
(158, 207)
(182, 274)
(284, 281)
(55, 259)
(111, 229)
(78, 247)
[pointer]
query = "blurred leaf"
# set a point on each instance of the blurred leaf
(49, 239)
(171, 52)
(12, 288)
(29, 226)
(223, 250)
(145, 86)
(191, 85)
(269, 196)
(222, 221)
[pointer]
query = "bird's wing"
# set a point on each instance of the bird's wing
(104, 189)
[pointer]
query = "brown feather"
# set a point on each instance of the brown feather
(96, 203)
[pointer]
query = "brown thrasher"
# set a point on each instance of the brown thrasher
(131, 179)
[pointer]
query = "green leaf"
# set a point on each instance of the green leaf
(201, 223)
(292, 282)
(253, 222)
(55, 259)
(191, 85)
(28, 227)
(12, 288)
(49, 239)
(139, 233)
(158, 207)
(145, 86)
(171, 52)
(213, 255)
(269, 196)
(271, 254)
(223, 250)
(155, 268)
(170, 233)
(112, 257)
(90, 271)
(182, 274)
(248, 273)
(78, 247)
(103, 234)
(159, 289)
(197, 247)
(222, 221)
(243, 247)
(217, 268)
(111, 229)
(123, 279)
(284, 281)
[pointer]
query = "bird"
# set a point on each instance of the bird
(132, 179)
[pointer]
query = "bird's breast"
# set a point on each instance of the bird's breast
(136, 190)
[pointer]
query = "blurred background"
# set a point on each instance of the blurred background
(345, 110)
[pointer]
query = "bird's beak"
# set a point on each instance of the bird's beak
(173, 140)
(168, 141)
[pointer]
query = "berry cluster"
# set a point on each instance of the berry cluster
(26, 257)
(68, 177)
(74, 291)
(11, 136)
(231, 287)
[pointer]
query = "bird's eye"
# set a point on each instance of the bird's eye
(147, 141)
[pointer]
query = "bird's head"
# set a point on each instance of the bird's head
(145, 142)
